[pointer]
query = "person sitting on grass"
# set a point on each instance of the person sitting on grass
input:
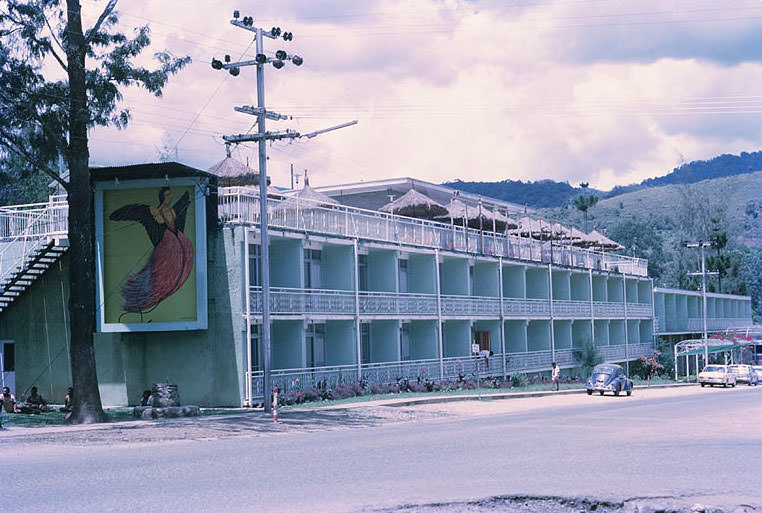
(7, 401)
(67, 401)
(34, 403)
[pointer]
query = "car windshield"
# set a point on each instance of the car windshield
(714, 368)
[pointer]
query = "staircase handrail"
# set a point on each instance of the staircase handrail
(24, 237)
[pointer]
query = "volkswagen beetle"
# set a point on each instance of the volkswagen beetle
(609, 377)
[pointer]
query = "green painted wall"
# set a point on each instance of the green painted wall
(424, 343)
(288, 344)
(337, 267)
(384, 341)
(340, 343)
(207, 365)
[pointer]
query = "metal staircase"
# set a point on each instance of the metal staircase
(32, 238)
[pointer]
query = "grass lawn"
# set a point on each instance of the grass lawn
(122, 414)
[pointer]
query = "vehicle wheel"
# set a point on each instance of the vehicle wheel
(703, 385)
(616, 392)
(600, 392)
(589, 392)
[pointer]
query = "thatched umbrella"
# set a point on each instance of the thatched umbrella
(306, 198)
(604, 243)
(457, 212)
(233, 173)
(415, 204)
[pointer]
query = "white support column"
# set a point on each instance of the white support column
(552, 327)
(502, 317)
(592, 307)
(358, 334)
(439, 315)
(626, 326)
(248, 400)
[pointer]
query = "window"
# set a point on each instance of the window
(365, 342)
(312, 258)
(9, 357)
(402, 276)
(405, 342)
(315, 339)
(255, 265)
(362, 272)
(255, 346)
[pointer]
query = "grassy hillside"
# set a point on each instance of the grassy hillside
(669, 208)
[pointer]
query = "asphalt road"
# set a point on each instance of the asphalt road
(696, 445)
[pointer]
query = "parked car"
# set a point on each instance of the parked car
(745, 374)
(717, 375)
(609, 377)
(758, 371)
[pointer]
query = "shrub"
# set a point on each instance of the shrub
(311, 394)
(469, 384)
(415, 387)
(519, 380)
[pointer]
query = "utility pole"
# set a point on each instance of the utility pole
(701, 244)
(261, 137)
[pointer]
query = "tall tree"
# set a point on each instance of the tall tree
(719, 262)
(44, 114)
(584, 201)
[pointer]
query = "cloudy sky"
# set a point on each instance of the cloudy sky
(605, 91)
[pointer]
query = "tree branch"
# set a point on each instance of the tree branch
(11, 145)
(105, 14)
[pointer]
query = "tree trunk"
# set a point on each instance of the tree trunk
(87, 405)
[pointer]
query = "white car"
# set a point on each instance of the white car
(745, 374)
(717, 375)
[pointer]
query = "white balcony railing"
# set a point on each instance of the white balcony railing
(241, 205)
(291, 301)
(451, 368)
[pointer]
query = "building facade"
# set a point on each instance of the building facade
(356, 294)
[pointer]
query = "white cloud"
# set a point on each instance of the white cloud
(606, 92)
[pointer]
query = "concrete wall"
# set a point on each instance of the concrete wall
(538, 336)
(384, 341)
(454, 276)
(340, 343)
(580, 287)
(424, 343)
(207, 365)
(286, 262)
(515, 336)
(382, 270)
(421, 274)
(537, 283)
(337, 267)
(456, 338)
(514, 281)
(486, 279)
(288, 348)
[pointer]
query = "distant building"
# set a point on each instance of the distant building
(356, 292)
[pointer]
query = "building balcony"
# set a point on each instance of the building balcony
(293, 302)
(466, 367)
(241, 205)
(697, 325)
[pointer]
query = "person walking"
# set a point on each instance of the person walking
(556, 376)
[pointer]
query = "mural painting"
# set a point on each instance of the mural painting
(149, 246)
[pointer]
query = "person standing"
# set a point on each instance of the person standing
(556, 376)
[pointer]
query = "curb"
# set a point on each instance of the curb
(393, 403)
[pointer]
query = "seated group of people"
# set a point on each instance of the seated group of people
(34, 403)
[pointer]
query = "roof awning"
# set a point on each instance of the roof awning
(713, 349)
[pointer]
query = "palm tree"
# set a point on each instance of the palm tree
(585, 202)
(587, 356)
